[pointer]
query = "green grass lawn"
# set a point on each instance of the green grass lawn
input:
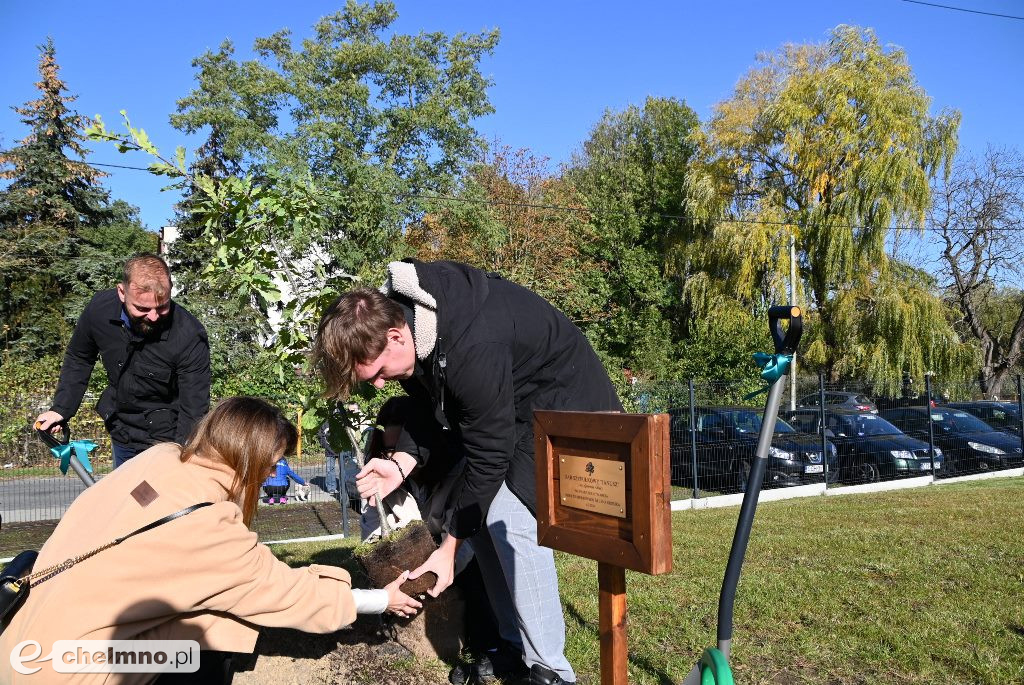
(912, 586)
(100, 468)
(296, 520)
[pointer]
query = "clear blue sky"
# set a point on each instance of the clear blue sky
(558, 67)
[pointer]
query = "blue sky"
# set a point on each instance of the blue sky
(558, 66)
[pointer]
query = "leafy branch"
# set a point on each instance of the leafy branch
(266, 249)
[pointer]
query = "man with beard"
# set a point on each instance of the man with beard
(155, 353)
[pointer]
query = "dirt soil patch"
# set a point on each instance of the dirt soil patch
(375, 650)
(300, 520)
(363, 653)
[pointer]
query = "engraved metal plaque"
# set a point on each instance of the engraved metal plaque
(592, 484)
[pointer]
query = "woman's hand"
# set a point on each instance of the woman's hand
(379, 476)
(399, 603)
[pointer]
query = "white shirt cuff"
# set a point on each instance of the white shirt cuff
(370, 601)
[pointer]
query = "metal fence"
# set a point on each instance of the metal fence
(34, 494)
(836, 434)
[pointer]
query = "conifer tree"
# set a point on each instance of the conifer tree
(52, 198)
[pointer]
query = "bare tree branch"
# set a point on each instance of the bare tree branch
(980, 213)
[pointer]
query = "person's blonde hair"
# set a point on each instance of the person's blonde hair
(353, 330)
(148, 272)
(247, 434)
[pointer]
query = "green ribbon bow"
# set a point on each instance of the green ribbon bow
(773, 367)
(81, 449)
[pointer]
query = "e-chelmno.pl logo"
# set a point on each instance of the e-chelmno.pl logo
(108, 656)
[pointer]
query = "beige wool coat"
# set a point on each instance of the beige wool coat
(201, 577)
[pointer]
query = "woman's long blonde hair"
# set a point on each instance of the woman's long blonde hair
(247, 434)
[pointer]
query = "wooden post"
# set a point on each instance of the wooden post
(603, 492)
(298, 442)
(611, 582)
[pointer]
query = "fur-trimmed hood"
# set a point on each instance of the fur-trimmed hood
(462, 291)
(403, 282)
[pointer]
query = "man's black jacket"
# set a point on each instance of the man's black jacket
(507, 351)
(158, 387)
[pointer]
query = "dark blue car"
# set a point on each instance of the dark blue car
(870, 448)
(1004, 416)
(726, 440)
(970, 444)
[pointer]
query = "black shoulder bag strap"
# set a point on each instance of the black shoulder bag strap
(39, 576)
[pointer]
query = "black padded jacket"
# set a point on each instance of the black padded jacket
(158, 387)
(502, 351)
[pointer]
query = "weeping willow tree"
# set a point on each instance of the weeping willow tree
(830, 144)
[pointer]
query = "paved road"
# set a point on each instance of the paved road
(46, 499)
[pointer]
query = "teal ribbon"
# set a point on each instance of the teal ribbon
(80, 448)
(773, 367)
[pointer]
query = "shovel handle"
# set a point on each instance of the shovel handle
(51, 439)
(785, 342)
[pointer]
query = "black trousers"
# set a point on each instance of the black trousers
(215, 668)
(481, 625)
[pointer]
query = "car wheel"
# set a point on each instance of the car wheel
(867, 473)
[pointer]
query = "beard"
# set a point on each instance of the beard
(143, 328)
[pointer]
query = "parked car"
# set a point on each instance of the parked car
(969, 443)
(870, 448)
(726, 440)
(1004, 416)
(835, 399)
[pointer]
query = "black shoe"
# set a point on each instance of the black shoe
(464, 672)
(481, 668)
(541, 675)
(460, 673)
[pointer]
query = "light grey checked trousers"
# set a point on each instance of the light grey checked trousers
(522, 584)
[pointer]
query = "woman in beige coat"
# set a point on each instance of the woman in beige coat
(202, 577)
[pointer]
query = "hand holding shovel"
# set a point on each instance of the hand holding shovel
(378, 476)
(70, 453)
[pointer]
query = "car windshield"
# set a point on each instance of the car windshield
(874, 425)
(783, 427)
(1011, 409)
(750, 422)
(959, 421)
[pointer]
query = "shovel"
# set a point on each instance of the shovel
(64, 449)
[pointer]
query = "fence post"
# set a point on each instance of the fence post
(931, 425)
(1020, 407)
(343, 495)
(693, 440)
(824, 440)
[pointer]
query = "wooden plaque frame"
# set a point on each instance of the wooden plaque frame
(642, 540)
